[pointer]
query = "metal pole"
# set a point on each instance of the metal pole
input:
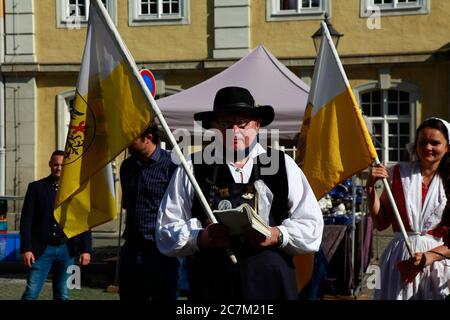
(2, 133)
(16, 147)
(116, 272)
(353, 230)
(118, 204)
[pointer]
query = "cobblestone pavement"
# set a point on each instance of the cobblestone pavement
(13, 285)
(94, 281)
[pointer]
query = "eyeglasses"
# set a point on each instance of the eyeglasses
(229, 124)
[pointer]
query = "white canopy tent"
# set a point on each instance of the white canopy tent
(269, 81)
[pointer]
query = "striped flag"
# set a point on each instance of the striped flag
(334, 142)
(109, 112)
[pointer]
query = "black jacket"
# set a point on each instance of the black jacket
(37, 218)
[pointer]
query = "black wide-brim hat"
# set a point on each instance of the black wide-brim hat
(235, 100)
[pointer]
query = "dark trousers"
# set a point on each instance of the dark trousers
(259, 275)
(145, 273)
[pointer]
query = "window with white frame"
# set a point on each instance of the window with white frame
(76, 9)
(394, 7)
(170, 8)
(299, 5)
(390, 112)
(296, 9)
(75, 13)
(150, 12)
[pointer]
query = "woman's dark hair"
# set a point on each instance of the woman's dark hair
(154, 131)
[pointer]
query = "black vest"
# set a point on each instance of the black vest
(218, 184)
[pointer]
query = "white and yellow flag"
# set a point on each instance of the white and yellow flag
(109, 112)
(334, 142)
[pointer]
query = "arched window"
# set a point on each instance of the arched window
(392, 114)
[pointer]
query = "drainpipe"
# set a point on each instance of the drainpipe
(2, 138)
(2, 103)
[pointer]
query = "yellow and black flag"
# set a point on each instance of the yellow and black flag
(109, 112)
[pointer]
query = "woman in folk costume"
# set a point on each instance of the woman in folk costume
(420, 189)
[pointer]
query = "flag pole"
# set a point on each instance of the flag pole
(377, 161)
(148, 96)
(387, 188)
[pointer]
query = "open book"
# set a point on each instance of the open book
(238, 218)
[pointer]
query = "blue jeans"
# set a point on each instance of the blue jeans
(57, 257)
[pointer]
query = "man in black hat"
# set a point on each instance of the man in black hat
(238, 173)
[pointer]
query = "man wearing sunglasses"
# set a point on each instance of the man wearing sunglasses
(238, 172)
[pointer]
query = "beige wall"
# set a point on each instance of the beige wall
(433, 83)
(165, 43)
(409, 33)
(56, 45)
(47, 90)
(185, 80)
(414, 33)
(397, 34)
(360, 75)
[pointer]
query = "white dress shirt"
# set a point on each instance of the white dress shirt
(177, 231)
